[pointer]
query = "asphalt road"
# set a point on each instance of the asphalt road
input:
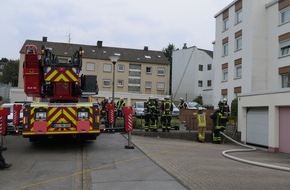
(70, 165)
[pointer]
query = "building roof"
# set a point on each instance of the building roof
(100, 52)
(209, 53)
(225, 8)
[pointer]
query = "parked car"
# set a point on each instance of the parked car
(175, 112)
(194, 105)
(138, 109)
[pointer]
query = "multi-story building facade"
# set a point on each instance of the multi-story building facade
(192, 74)
(252, 62)
(138, 73)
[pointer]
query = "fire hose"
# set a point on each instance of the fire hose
(249, 149)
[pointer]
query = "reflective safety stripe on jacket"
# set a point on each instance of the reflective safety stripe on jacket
(201, 118)
(120, 104)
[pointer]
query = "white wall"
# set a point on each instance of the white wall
(186, 74)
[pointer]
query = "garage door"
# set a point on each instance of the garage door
(257, 126)
(284, 129)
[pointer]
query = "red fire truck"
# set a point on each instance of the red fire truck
(60, 89)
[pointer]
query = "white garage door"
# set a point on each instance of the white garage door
(257, 126)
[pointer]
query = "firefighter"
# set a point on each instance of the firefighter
(150, 114)
(152, 108)
(3, 164)
(201, 124)
(166, 108)
(104, 114)
(182, 104)
(220, 119)
(120, 104)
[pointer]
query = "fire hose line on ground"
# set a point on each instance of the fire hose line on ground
(250, 148)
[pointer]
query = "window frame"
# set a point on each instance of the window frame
(120, 83)
(148, 85)
(239, 16)
(149, 73)
(238, 74)
(225, 75)
(200, 83)
(200, 67)
(225, 49)
(160, 69)
(209, 67)
(107, 80)
(105, 66)
(239, 43)
(209, 83)
(284, 46)
(160, 88)
(225, 24)
(120, 66)
(283, 83)
(287, 19)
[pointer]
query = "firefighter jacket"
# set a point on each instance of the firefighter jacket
(201, 119)
(167, 108)
(151, 107)
(120, 104)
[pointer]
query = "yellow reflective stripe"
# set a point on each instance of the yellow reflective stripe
(70, 115)
(61, 76)
(48, 78)
(201, 120)
(69, 73)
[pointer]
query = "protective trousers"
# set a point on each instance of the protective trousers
(216, 136)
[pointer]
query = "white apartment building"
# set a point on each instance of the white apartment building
(192, 74)
(252, 62)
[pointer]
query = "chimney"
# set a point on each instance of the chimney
(99, 44)
(145, 48)
(184, 46)
(44, 39)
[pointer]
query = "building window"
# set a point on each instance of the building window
(148, 85)
(106, 83)
(200, 67)
(286, 80)
(107, 67)
(239, 71)
(90, 67)
(121, 68)
(239, 16)
(225, 49)
(225, 75)
(200, 83)
(134, 89)
(149, 70)
(209, 67)
(120, 83)
(285, 50)
(134, 78)
(285, 15)
(209, 83)
(238, 43)
(225, 24)
(285, 47)
(160, 71)
(160, 85)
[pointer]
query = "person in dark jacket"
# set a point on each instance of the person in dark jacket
(3, 164)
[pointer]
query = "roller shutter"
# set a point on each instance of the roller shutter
(257, 126)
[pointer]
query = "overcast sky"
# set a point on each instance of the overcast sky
(118, 23)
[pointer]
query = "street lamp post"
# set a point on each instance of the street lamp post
(114, 59)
